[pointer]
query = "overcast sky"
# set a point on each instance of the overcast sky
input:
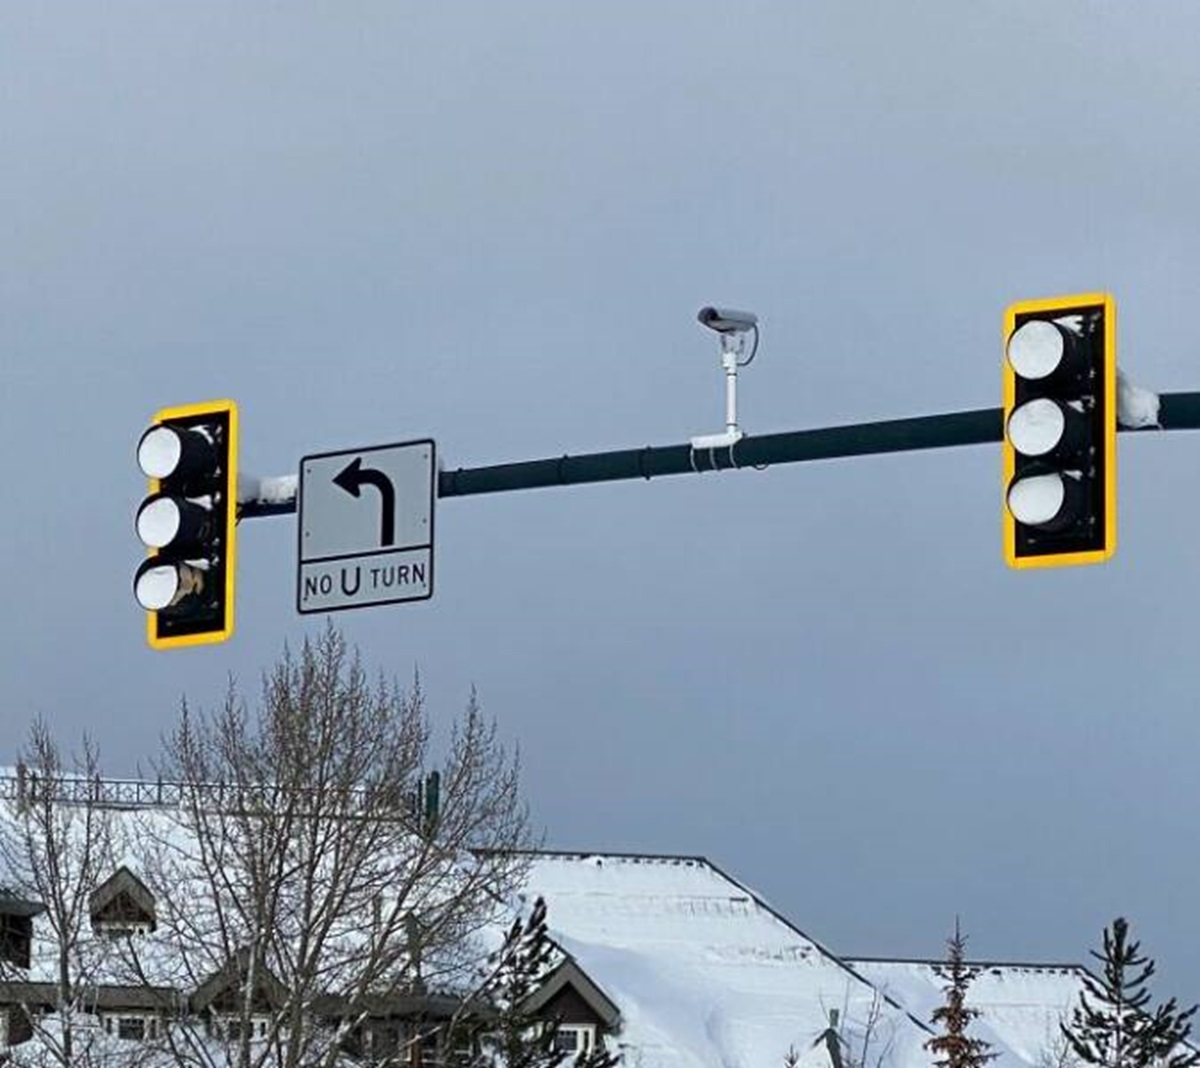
(493, 224)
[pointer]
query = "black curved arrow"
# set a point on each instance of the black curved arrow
(353, 477)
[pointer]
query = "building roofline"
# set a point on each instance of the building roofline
(842, 962)
(972, 963)
(825, 951)
(583, 854)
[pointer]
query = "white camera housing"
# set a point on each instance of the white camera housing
(727, 320)
(733, 326)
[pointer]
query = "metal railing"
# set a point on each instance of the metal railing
(26, 786)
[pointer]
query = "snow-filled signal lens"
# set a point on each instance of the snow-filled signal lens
(159, 585)
(1036, 349)
(1059, 443)
(1037, 427)
(163, 520)
(1049, 501)
(188, 522)
(166, 451)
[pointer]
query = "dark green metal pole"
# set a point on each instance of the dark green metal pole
(1178, 411)
(895, 435)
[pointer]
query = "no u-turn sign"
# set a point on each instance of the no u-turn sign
(366, 526)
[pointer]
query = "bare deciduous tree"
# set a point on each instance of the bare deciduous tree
(314, 869)
(55, 847)
(863, 1043)
(1057, 1052)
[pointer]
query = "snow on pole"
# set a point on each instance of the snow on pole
(1137, 408)
(278, 489)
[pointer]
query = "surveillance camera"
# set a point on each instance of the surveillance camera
(726, 320)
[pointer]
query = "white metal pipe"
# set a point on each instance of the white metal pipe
(729, 359)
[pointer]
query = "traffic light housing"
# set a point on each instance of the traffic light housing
(188, 524)
(1060, 431)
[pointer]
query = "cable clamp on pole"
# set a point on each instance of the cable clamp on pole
(711, 443)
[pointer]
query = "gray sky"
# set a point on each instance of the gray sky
(493, 224)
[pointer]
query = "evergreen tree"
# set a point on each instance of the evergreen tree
(1115, 1026)
(953, 1047)
(505, 1034)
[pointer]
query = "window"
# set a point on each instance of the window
(256, 1026)
(426, 1051)
(575, 1038)
(16, 936)
(131, 1028)
(385, 1038)
(121, 929)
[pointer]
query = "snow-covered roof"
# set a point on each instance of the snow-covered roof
(1021, 1004)
(704, 972)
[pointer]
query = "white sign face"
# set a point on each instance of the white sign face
(366, 527)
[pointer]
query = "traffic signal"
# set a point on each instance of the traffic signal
(1060, 431)
(188, 523)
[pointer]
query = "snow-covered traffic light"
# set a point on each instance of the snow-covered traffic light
(1060, 431)
(188, 523)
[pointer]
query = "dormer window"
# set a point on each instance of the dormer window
(567, 994)
(122, 906)
(222, 999)
(16, 928)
